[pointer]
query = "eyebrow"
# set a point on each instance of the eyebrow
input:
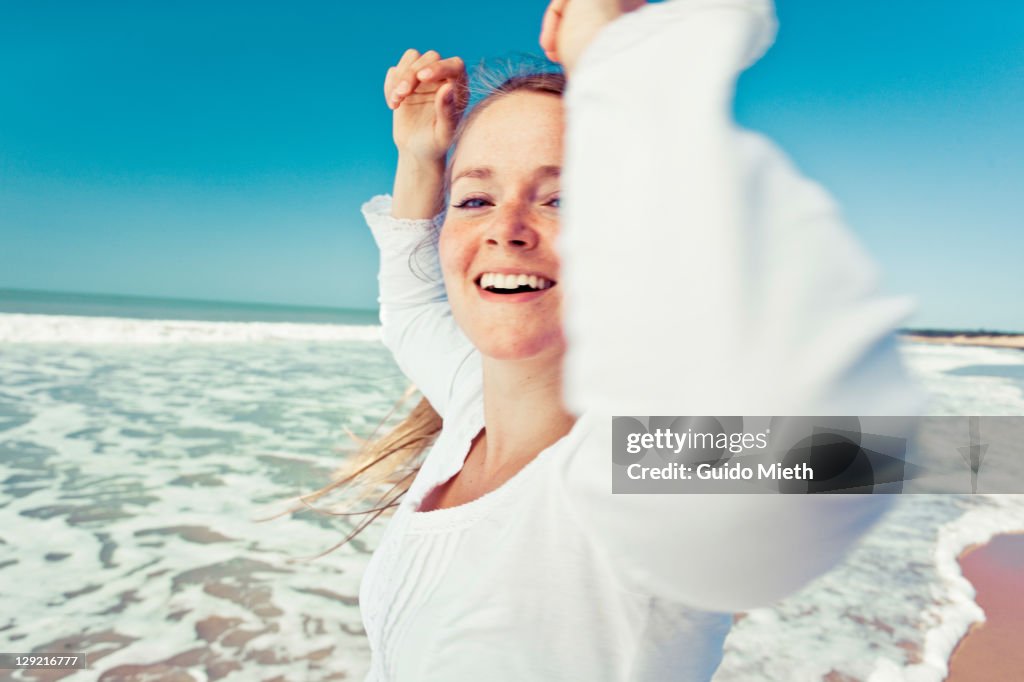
(480, 172)
(485, 172)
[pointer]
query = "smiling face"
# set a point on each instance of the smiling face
(497, 244)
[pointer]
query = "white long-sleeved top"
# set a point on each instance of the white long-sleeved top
(701, 275)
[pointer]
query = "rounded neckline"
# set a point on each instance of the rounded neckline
(462, 515)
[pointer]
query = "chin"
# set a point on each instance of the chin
(519, 346)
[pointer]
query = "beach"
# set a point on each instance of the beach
(138, 455)
(994, 649)
(969, 339)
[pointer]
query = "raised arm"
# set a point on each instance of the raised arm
(736, 291)
(747, 295)
(425, 93)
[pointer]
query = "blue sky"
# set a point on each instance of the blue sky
(221, 150)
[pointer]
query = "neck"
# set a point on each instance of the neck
(523, 409)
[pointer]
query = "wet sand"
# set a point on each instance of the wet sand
(994, 650)
(992, 341)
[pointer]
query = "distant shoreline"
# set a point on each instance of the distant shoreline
(965, 338)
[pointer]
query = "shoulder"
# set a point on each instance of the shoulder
(463, 420)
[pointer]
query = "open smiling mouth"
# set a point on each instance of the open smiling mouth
(512, 284)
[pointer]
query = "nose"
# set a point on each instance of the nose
(512, 228)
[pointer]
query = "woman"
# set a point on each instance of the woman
(691, 271)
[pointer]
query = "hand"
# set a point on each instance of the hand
(570, 25)
(427, 94)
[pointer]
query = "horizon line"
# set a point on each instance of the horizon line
(147, 297)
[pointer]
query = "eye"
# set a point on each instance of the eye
(472, 202)
(555, 202)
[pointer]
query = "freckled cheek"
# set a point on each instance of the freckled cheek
(455, 258)
(550, 236)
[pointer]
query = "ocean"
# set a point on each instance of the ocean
(142, 439)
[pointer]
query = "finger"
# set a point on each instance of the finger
(550, 25)
(407, 80)
(389, 84)
(450, 101)
(549, 34)
(408, 57)
(426, 59)
(452, 68)
(447, 111)
(548, 31)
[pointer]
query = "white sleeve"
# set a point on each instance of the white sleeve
(416, 321)
(702, 275)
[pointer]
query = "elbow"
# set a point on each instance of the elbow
(394, 328)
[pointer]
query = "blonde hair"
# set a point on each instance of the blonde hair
(384, 467)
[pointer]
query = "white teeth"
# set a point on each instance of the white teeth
(496, 280)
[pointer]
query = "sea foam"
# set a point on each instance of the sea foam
(27, 328)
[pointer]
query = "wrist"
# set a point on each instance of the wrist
(418, 187)
(420, 165)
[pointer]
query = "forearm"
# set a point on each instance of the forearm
(419, 187)
(416, 321)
